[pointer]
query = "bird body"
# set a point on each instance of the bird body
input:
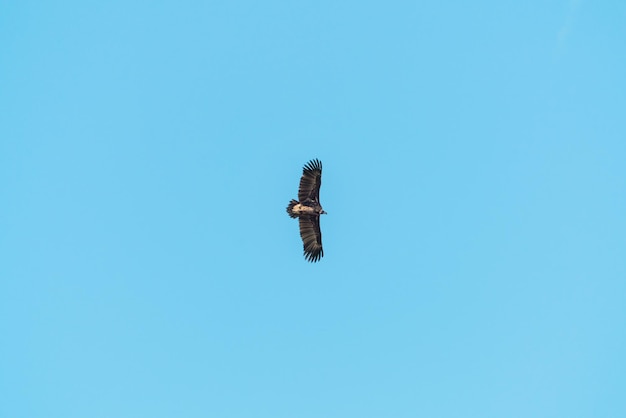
(296, 209)
(308, 210)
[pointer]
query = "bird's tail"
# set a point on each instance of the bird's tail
(292, 203)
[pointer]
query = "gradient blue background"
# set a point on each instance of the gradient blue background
(474, 175)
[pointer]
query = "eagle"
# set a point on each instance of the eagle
(308, 210)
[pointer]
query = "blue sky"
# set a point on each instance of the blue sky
(474, 178)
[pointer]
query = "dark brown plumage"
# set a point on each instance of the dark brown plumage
(308, 209)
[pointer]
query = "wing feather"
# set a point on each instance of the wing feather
(311, 237)
(310, 181)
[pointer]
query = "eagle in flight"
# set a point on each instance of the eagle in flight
(308, 210)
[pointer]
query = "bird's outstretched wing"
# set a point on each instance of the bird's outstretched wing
(310, 181)
(311, 237)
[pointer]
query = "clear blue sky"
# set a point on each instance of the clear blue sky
(474, 175)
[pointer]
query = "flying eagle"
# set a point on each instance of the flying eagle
(308, 210)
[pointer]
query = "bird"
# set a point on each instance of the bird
(308, 210)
